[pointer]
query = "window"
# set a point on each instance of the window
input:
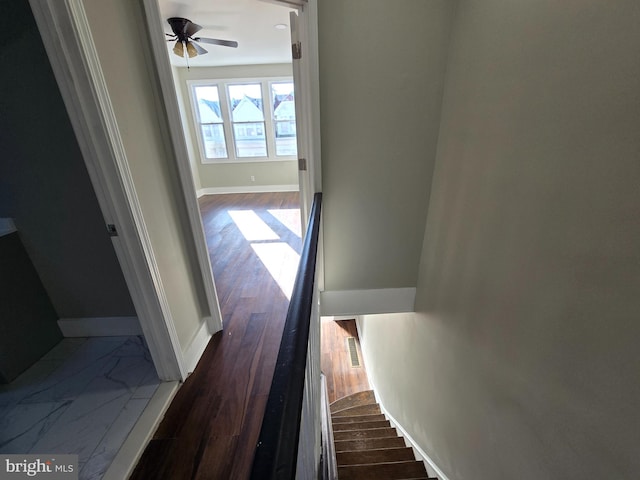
(210, 120)
(284, 116)
(245, 120)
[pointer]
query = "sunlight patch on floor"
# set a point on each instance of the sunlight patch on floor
(290, 218)
(278, 257)
(252, 226)
(282, 262)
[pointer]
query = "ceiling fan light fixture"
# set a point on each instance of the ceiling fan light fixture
(178, 49)
(186, 45)
(191, 50)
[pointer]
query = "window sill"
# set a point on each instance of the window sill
(219, 161)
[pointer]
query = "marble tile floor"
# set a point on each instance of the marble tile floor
(83, 398)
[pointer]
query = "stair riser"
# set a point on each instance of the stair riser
(362, 434)
(358, 419)
(366, 457)
(380, 471)
(338, 427)
(366, 446)
(369, 443)
(371, 409)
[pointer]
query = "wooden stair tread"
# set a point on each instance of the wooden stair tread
(386, 471)
(369, 433)
(378, 455)
(358, 418)
(369, 443)
(367, 409)
(360, 398)
(337, 427)
(366, 446)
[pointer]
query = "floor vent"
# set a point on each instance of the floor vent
(353, 352)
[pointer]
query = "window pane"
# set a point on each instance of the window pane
(284, 113)
(250, 139)
(208, 104)
(213, 138)
(246, 103)
(286, 138)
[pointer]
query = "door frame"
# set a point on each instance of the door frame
(307, 99)
(66, 35)
(303, 24)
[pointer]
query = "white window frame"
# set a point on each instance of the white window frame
(225, 110)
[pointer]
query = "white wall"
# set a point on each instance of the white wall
(231, 176)
(381, 75)
(522, 361)
(125, 58)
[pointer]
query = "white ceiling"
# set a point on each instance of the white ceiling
(249, 22)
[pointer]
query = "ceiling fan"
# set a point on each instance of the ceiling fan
(183, 33)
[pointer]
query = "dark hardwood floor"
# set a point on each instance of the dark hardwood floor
(212, 425)
(335, 362)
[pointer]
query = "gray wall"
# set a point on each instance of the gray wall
(134, 93)
(522, 361)
(29, 327)
(231, 176)
(44, 184)
(381, 74)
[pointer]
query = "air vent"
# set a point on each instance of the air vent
(353, 352)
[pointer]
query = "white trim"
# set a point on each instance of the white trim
(223, 84)
(131, 450)
(329, 463)
(247, 189)
(311, 91)
(66, 35)
(169, 103)
(195, 349)
(306, 76)
(337, 318)
(99, 326)
(7, 226)
(421, 455)
(288, 3)
(361, 302)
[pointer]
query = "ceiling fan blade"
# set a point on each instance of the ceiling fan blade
(215, 41)
(191, 28)
(178, 49)
(198, 48)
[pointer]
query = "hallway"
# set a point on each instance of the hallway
(336, 362)
(211, 428)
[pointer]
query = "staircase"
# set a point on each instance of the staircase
(367, 447)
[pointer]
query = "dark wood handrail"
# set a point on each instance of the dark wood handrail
(277, 449)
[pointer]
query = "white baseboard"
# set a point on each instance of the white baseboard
(362, 302)
(432, 468)
(99, 326)
(196, 348)
(127, 457)
(337, 318)
(247, 189)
